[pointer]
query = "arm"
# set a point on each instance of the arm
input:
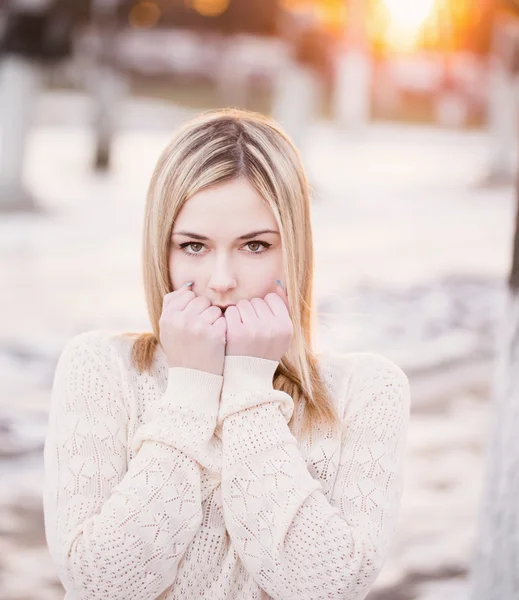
(118, 530)
(293, 540)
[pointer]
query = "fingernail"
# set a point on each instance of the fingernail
(278, 281)
(188, 284)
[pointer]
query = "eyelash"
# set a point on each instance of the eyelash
(265, 245)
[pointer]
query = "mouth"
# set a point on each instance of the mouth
(223, 308)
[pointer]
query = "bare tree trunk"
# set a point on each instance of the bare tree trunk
(298, 86)
(35, 34)
(296, 99)
(352, 94)
(20, 82)
(495, 568)
(106, 82)
(502, 104)
(21, 75)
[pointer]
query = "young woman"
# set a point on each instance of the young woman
(219, 456)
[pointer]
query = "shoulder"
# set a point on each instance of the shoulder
(102, 346)
(90, 393)
(361, 378)
(91, 372)
(96, 354)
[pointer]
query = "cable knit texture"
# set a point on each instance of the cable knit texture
(181, 484)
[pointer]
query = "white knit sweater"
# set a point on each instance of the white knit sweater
(151, 493)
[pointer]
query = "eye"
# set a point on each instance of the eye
(196, 247)
(257, 243)
(192, 244)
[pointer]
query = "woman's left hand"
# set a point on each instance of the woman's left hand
(259, 327)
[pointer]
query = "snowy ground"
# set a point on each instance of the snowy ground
(411, 261)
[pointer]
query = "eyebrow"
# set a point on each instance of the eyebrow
(247, 236)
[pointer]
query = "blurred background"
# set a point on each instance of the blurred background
(405, 113)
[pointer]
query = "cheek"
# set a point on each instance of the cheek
(180, 269)
(262, 278)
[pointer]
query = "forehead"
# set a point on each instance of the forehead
(231, 205)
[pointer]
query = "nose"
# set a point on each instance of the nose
(223, 279)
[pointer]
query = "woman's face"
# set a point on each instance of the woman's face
(221, 243)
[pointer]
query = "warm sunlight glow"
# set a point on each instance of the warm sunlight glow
(409, 14)
(405, 21)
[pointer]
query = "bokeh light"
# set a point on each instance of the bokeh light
(210, 8)
(144, 15)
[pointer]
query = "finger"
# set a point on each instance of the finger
(221, 326)
(232, 316)
(247, 312)
(277, 304)
(262, 308)
(211, 314)
(176, 294)
(178, 300)
(197, 305)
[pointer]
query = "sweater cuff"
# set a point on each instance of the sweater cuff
(185, 416)
(248, 382)
(245, 373)
(195, 390)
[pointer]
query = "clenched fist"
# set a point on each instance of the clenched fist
(192, 332)
(259, 327)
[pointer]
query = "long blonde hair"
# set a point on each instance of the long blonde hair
(223, 145)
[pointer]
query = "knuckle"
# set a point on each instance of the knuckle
(231, 310)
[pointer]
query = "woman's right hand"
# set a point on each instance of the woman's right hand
(192, 332)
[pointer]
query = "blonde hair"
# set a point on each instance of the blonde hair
(218, 146)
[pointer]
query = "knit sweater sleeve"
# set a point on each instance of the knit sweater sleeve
(117, 528)
(295, 541)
